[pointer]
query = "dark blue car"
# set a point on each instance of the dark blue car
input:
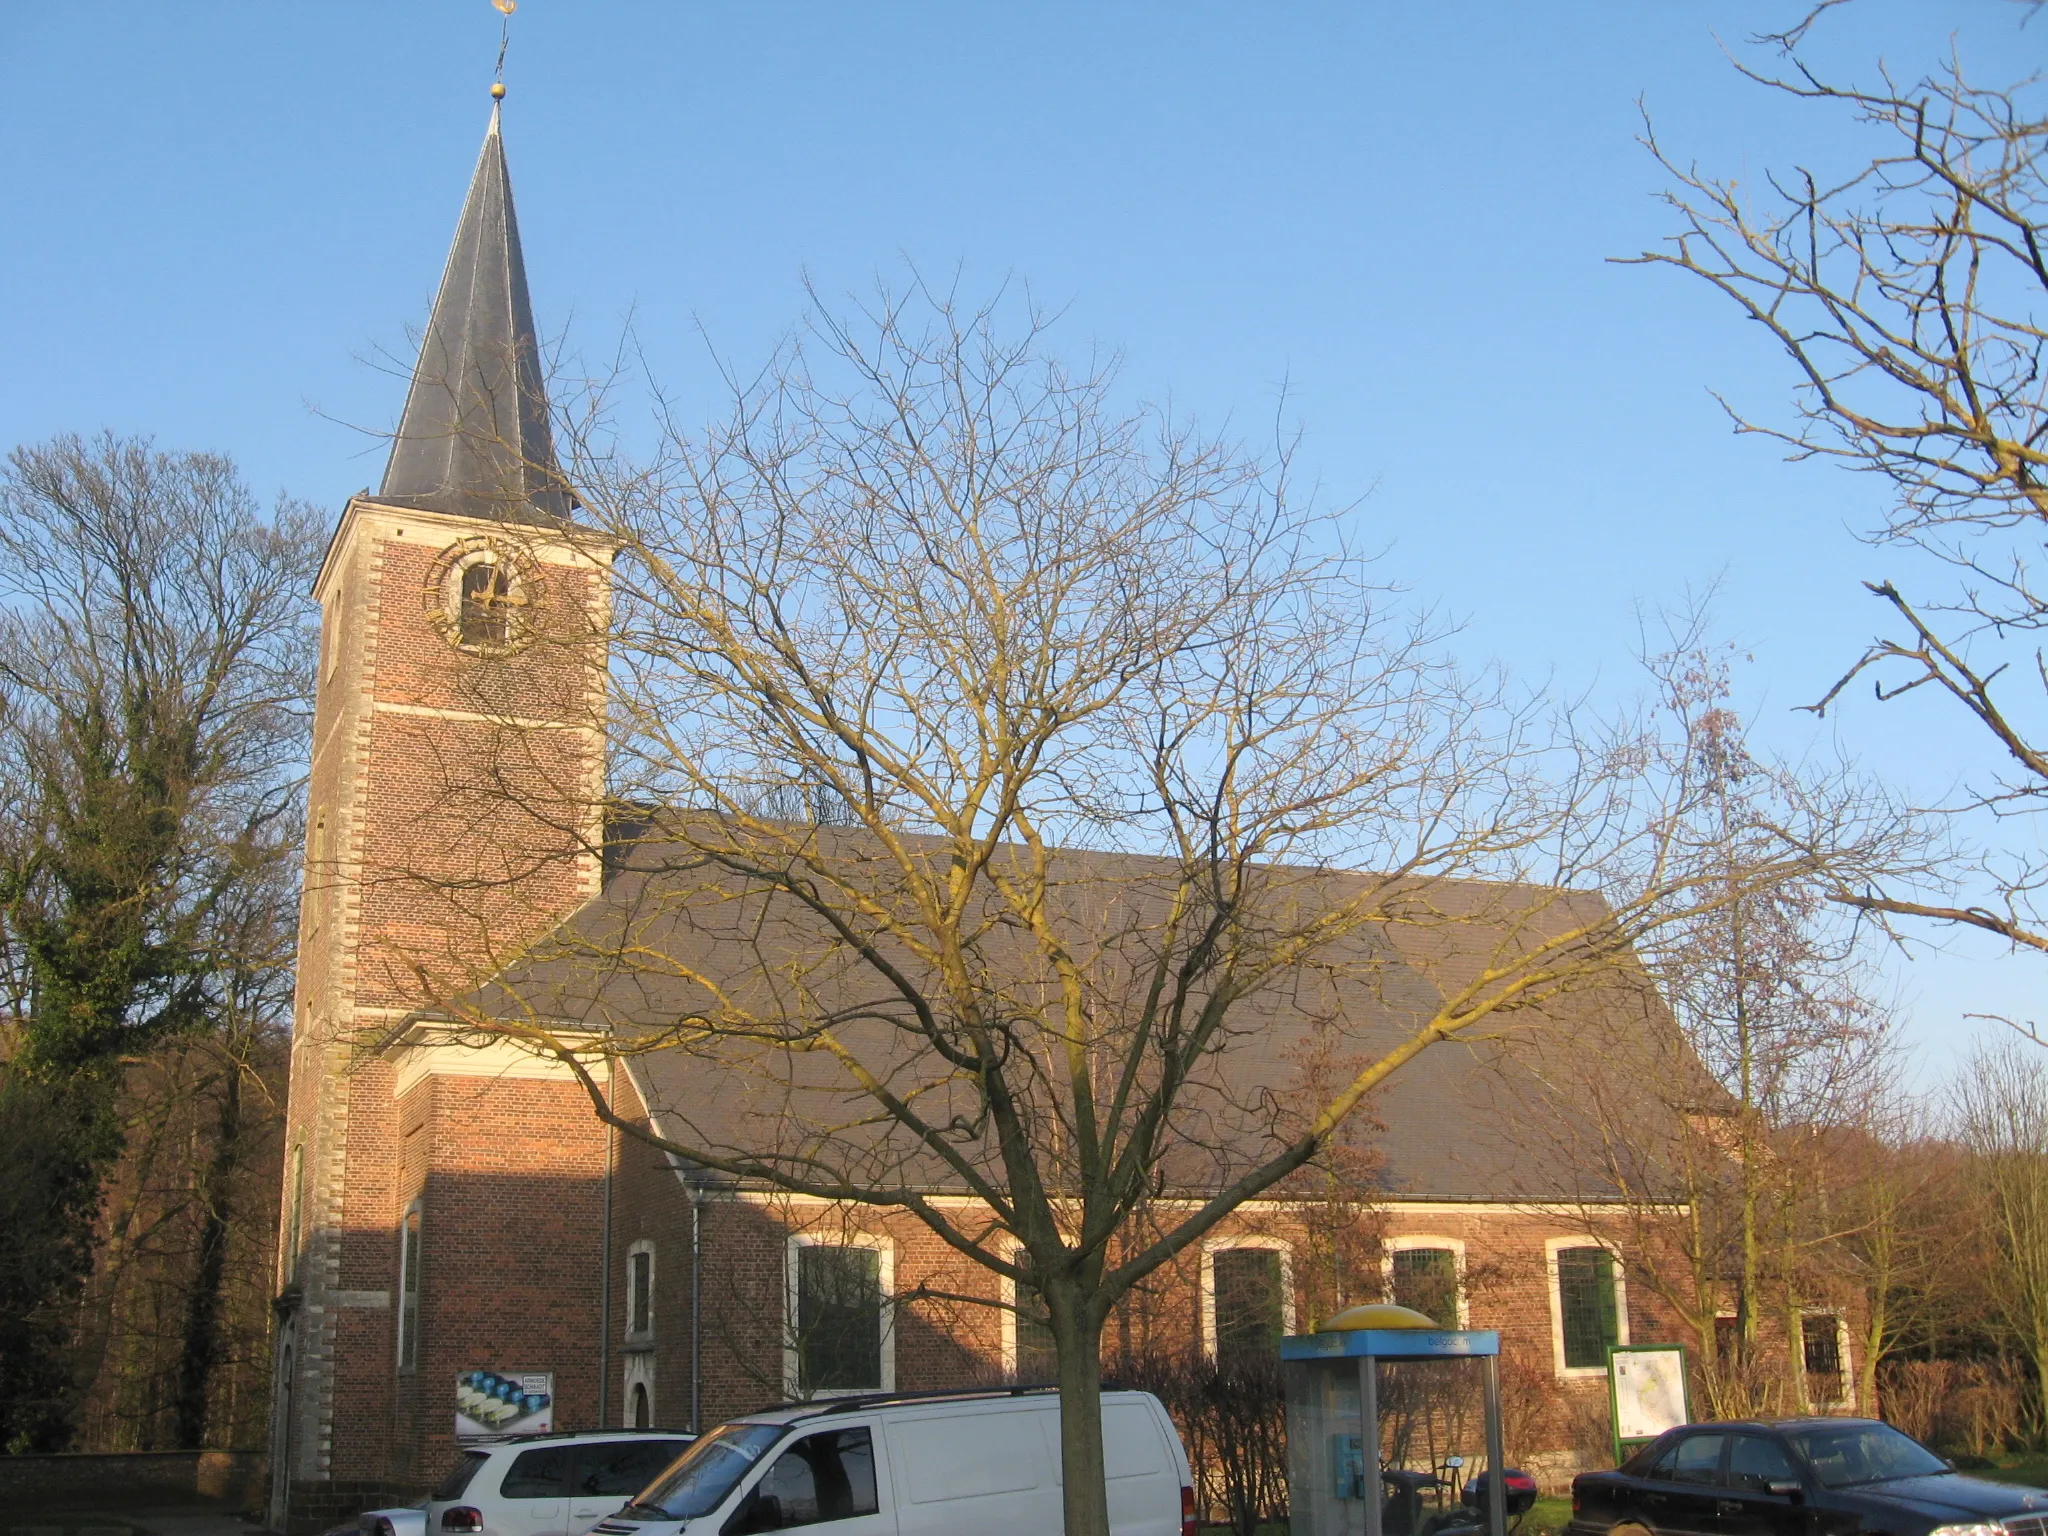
(1797, 1477)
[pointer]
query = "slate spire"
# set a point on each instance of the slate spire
(474, 440)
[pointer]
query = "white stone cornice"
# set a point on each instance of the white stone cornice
(443, 1048)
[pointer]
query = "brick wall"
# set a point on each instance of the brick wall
(1556, 1421)
(510, 1177)
(127, 1479)
(651, 1205)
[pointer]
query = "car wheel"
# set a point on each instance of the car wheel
(1629, 1528)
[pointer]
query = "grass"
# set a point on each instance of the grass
(1547, 1518)
(2027, 1467)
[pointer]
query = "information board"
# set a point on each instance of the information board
(1646, 1388)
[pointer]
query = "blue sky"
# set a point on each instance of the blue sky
(219, 216)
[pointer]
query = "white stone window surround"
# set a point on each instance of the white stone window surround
(1551, 1248)
(798, 1241)
(1842, 1353)
(1215, 1245)
(1409, 1243)
(505, 572)
(1007, 1290)
(640, 1329)
(638, 1372)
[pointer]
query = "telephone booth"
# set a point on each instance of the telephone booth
(1370, 1369)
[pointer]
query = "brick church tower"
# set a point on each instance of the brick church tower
(444, 1206)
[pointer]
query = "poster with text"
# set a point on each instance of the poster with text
(504, 1403)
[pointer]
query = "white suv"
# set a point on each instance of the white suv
(548, 1485)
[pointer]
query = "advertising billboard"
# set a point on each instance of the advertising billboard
(504, 1403)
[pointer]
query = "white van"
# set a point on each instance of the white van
(914, 1465)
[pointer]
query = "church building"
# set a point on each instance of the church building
(466, 1247)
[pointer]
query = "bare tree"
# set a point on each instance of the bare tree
(1905, 1226)
(249, 1020)
(1906, 291)
(154, 670)
(2001, 1104)
(1712, 1151)
(171, 1339)
(1131, 749)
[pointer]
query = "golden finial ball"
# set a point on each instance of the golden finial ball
(497, 90)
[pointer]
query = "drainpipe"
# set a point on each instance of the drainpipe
(694, 1185)
(696, 1306)
(604, 1304)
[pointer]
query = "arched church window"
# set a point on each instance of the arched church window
(642, 1415)
(640, 1291)
(486, 604)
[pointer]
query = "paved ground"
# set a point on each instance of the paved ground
(185, 1520)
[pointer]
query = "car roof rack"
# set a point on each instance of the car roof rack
(816, 1408)
(542, 1436)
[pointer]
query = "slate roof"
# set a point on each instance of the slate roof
(474, 440)
(1501, 1119)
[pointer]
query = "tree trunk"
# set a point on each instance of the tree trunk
(201, 1342)
(1877, 1313)
(1749, 1284)
(1077, 1335)
(1795, 1353)
(2037, 1349)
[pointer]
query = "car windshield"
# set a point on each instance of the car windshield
(699, 1482)
(1853, 1454)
